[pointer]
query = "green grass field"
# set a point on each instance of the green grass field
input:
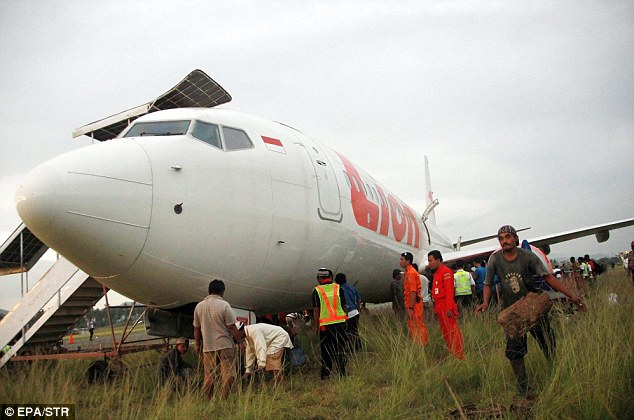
(592, 377)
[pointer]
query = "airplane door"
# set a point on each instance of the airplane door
(327, 187)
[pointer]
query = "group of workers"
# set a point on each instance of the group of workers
(336, 316)
(220, 338)
(512, 268)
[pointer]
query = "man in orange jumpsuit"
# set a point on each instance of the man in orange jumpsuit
(444, 303)
(413, 301)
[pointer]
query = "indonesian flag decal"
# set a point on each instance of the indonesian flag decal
(274, 145)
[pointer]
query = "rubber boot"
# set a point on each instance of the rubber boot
(519, 369)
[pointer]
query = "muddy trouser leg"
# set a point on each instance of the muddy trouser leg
(545, 336)
(515, 351)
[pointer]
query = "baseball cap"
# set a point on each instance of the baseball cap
(182, 340)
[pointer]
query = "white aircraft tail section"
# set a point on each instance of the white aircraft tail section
(63, 294)
(430, 203)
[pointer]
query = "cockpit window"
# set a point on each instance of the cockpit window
(208, 133)
(158, 128)
(236, 139)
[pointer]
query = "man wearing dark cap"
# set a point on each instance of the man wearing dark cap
(329, 307)
(515, 268)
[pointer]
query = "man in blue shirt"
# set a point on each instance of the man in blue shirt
(479, 275)
(353, 300)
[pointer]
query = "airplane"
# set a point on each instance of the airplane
(181, 196)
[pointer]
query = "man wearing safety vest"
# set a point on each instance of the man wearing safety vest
(444, 303)
(464, 286)
(412, 288)
(329, 307)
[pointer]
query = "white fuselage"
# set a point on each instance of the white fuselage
(156, 218)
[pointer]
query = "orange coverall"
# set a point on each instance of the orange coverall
(416, 325)
(444, 302)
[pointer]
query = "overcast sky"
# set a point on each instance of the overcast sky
(525, 109)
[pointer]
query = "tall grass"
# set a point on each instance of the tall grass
(392, 377)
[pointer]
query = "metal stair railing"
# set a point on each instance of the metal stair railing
(48, 294)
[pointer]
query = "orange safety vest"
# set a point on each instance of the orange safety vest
(330, 313)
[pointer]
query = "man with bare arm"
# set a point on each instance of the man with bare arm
(515, 268)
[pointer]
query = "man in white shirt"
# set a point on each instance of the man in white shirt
(265, 344)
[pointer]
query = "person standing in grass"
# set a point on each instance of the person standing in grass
(329, 316)
(464, 286)
(215, 332)
(445, 303)
(91, 327)
(515, 268)
(412, 288)
(353, 302)
(479, 275)
(396, 288)
(630, 262)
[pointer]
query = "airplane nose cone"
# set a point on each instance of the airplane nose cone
(92, 205)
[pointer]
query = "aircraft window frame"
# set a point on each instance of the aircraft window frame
(162, 132)
(347, 177)
(231, 148)
(198, 123)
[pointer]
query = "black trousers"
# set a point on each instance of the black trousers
(542, 332)
(352, 326)
(332, 343)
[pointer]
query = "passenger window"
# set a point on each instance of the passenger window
(236, 139)
(208, 133)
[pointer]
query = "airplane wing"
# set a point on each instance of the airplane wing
(468, 242)
(602, 233)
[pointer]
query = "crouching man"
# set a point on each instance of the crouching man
(172, 367)
(265, 345)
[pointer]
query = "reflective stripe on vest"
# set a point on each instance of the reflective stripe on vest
(462, 280)
(330, 313)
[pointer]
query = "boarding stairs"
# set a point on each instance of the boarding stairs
(47, 312)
